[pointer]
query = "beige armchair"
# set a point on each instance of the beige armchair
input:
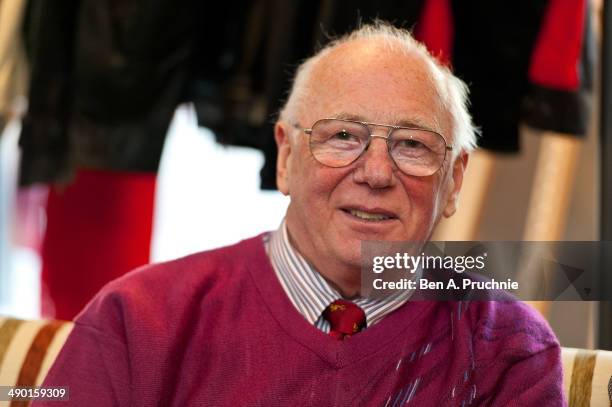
(28, 349)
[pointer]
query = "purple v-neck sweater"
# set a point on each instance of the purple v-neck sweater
(216, 329)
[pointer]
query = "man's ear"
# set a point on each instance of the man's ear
(456, 181)
(283, 159)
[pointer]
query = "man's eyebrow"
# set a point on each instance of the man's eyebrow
(350, 116)
(410, 122)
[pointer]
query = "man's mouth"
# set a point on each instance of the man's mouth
(368, 216)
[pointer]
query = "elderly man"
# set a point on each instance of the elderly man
(373, 143)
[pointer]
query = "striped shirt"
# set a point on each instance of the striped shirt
(308, 290)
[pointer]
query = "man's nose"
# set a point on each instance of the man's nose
(375, 166)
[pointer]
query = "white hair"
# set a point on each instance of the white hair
(452, 90)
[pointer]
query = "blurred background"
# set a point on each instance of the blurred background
(139, 131)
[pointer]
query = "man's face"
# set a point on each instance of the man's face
(364, 81)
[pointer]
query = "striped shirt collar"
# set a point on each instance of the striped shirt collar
(310, 293)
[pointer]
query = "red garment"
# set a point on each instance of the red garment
(556, 56)
(217, 329)
(435, 29)
(98, 228)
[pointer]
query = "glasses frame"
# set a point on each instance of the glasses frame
(392, 128)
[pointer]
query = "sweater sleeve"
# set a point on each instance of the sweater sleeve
(517, 357)
(128, 342)
(95, 363)
(94, 366)
(534, 381)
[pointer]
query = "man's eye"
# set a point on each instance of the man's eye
(412, 144)
(343, 136)
(410, 148)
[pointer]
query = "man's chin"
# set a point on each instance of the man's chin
(352, 258)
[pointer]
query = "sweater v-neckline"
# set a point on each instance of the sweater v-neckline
(336, 353)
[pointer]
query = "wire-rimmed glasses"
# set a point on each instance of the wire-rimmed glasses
(339, 142)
